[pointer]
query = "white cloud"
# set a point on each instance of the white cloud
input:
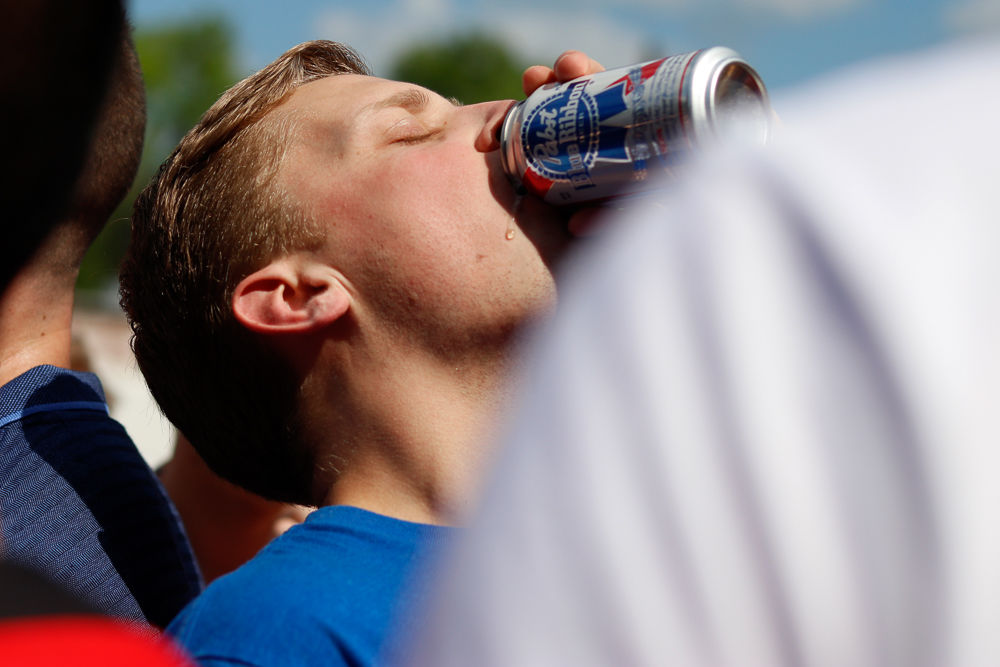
(974, 16)
(541, 35)
(425, 7)
(799, 9)
(659, 5)
(379, 35)
(537, 35)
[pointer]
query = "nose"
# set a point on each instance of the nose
(492, 114)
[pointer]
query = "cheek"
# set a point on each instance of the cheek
(417, 215)
(440, 196)
(443, 174)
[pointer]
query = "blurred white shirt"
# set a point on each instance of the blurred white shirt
(763, 427)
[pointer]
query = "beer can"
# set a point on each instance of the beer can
(607, 134)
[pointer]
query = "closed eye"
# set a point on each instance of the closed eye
(415, 139)
(416, 124)
(410, 130)
(412, 140)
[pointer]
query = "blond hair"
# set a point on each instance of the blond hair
(212, 215)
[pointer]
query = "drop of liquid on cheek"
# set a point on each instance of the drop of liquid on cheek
(512, 221)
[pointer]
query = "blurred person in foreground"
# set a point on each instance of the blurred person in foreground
(80, 505)
(325, 282)
(762, 428)
(55, 58)
(41, 625)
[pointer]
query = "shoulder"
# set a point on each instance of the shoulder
(51, 408)
(265, 613)
(330, 585)
(70, 473)
(46, 389)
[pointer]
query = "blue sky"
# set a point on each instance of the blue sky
(788, 41)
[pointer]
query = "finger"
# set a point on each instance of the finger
(536, 76)
(572, 64)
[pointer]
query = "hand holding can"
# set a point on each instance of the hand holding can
(604, 134)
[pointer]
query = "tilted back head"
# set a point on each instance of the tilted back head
(212, 215)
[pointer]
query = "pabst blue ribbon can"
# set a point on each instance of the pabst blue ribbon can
(604, 135)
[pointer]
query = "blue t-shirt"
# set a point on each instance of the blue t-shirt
(80, 506)
(326, 592)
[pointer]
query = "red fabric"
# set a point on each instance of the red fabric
(84, 641)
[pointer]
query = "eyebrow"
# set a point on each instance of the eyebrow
(411, 99)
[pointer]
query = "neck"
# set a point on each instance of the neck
(412, 435)
(36, 311)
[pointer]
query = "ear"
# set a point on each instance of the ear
(290, 295)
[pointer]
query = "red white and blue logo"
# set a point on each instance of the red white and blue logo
(560, 136)
(564, 134)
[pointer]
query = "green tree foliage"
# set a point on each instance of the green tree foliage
(471, 68)
(186, 67)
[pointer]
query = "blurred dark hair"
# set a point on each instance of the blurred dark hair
(56, 57)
